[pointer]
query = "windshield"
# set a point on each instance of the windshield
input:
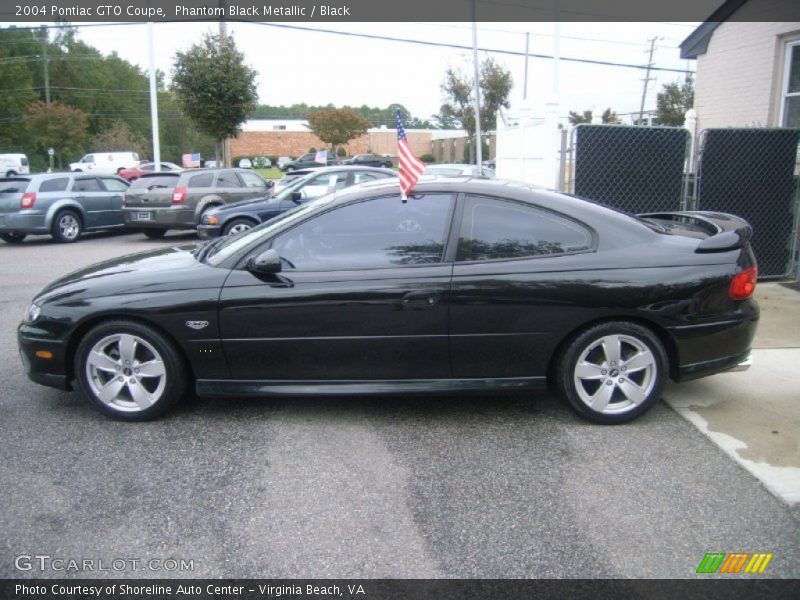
(228, 246)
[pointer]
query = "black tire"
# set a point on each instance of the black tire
(154, 234)
(150, 348)
(67, 226)
(13, 238)
(620, 389)
(288, 169)
(241, 224)
(11, 173)
(387, 165)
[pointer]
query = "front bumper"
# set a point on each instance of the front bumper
(743, 365)
(51, 372)
(170, 217)
(23, 222)
(205, 232)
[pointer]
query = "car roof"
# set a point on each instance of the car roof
(347, 168)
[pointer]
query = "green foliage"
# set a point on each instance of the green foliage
(428, 158)
(312, 149)
(119, 137)
(495, 87)
(341, 152)
(674, 100)
(337, 125)
(214, 86)
(375, 115)
(608, 116)
(56, 126)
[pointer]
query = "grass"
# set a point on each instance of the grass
(271, 173)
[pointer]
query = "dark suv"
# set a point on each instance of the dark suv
(158, 202)
(369, 160)
(304, 162)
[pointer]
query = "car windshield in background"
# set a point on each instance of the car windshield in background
(445, 172)
(224, 247)
(154, 181)
(13, 186)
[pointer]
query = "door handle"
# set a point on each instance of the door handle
(421, 299)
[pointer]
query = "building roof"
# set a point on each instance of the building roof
(697, 42)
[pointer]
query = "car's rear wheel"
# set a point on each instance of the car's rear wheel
(67, 226)
(130, 371)
(238, 226)
(613, 372)
(154, 234)
(11, 173)
(13, 238)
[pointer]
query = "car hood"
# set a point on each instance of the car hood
(161, 270)
(245, 204)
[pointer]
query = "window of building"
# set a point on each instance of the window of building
(791, 87)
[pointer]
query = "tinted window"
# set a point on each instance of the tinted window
(89, 158)
(13, 186)
(59, 184)
(252, 180)
(381, 232)
(228, 180)
(86, 185)
(368, 176)
(493, 229)
(114, 185)
(200, 181)
(151, 181)
(23, 161)
(322, 184)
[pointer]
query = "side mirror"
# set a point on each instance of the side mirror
(266, 263)
(297, 196)
(270, 184)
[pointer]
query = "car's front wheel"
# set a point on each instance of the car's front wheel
(130, 371)
(67, 226)
(613, 372)
(238, 226)
(13, 238)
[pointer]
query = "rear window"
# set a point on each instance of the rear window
(13, 186)
(146, 182)
(202, 180)
(59, 184)
(23, 161)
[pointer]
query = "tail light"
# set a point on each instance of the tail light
(28, 200)
(743, 284)
(179, 195)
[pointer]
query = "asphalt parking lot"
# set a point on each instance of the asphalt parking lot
(491, 487)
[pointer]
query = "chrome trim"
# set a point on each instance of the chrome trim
(742, 366)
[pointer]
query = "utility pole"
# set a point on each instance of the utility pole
(223, 36)
(151, 51)
(525, 84)
(647, 79)
(477, 92)
(46, 66)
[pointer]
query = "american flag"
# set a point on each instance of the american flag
(408, 165)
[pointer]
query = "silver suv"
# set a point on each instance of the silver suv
(61, 204)
(157, 202)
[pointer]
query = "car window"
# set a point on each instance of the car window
(89, 184)
(114, 185)
(368, 176)
(252, 180)
(322, 184)
(59, 184)
(154, 181)
(228, 180)
(24, 161)
(201, 181)
(494, 229)
(147, 167)
(89, 158)
(380, 232)
(13, 186)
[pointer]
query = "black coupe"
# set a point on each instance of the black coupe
(471, 285)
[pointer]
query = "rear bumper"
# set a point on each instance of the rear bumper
(23, 222)
(170, 217)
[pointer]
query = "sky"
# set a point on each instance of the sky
(318, 68)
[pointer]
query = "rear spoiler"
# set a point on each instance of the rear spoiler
(726, 232)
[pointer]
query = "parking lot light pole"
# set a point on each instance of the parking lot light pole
(479, 150)
(153, 98)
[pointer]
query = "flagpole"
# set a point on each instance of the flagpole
(477, 91)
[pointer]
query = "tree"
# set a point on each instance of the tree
(495, 85)
(56, 126)
(337, 126)
(608, 116)
(119, 137)
(215, 87)
(674, 100)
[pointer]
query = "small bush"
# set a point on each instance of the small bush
(341, 152)
(428, 158)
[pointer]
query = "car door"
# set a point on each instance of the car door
(363, 295)
(115, 189)
(229, 187)
(517, 286)
(88, 192)
(253, 185)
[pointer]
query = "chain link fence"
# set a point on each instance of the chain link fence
(636, 169)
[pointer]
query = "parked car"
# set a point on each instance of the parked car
(471, 285)
(14, 164)
(458, 170)
(241, 216)
(147, 167)
(282, 161)
(292, 176)
(245, 163)
(303, 162)
(63, 205)
(157, 202)
(368, 160)
(105, 162)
